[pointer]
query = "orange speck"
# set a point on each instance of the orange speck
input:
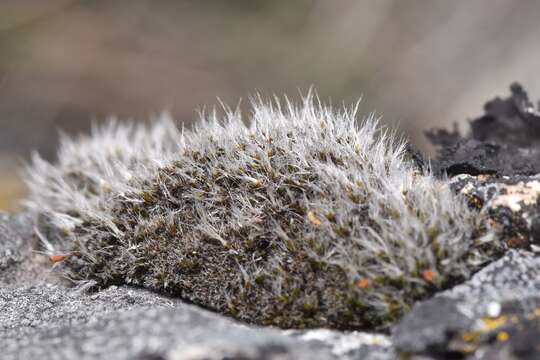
(57, 258)
(313, 218)
(428, 275)
(362, 283)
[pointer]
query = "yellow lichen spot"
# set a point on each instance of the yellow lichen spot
(471, 336)
(502, 336)
(493, 323)
(537, 312)
(313, 218)
(514, 319)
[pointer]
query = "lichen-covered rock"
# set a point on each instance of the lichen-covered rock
(510, 202)
(496, 312)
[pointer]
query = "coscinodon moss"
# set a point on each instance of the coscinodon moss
(306, 217)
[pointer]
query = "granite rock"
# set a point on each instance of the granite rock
(52, 322)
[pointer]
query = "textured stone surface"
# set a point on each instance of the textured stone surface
(12, 247)
(51, 322)
(511, 203)
(497, 311)
(496, 165)
(20, 262)
(505, 140)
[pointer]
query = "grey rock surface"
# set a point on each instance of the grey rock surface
(44, 320)
(13, 249)
(21, 261)
(498, 310)
(51, 322)
(11, 240)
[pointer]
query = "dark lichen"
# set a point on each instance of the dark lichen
(503, 141)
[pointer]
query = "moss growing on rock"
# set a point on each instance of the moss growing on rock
(301, 219)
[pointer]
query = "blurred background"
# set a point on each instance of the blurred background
(419, 63)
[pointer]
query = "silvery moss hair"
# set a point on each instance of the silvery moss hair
(302, 218)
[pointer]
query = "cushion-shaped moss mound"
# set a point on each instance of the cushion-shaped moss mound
(303, 218)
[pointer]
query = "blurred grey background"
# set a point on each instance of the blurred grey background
(419, 63)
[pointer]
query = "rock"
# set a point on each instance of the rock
(510, 202)
(503, 141)
(497, 165)
(20, 262)
(475, 157)
(428, 327)
(495, 312)
(13, 230)
(52, 322)
(353, 345)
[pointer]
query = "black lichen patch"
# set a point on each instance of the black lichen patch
(504, 141)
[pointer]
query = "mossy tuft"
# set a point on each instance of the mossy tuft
(304, 218)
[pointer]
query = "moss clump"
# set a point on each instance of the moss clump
(301, 219)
